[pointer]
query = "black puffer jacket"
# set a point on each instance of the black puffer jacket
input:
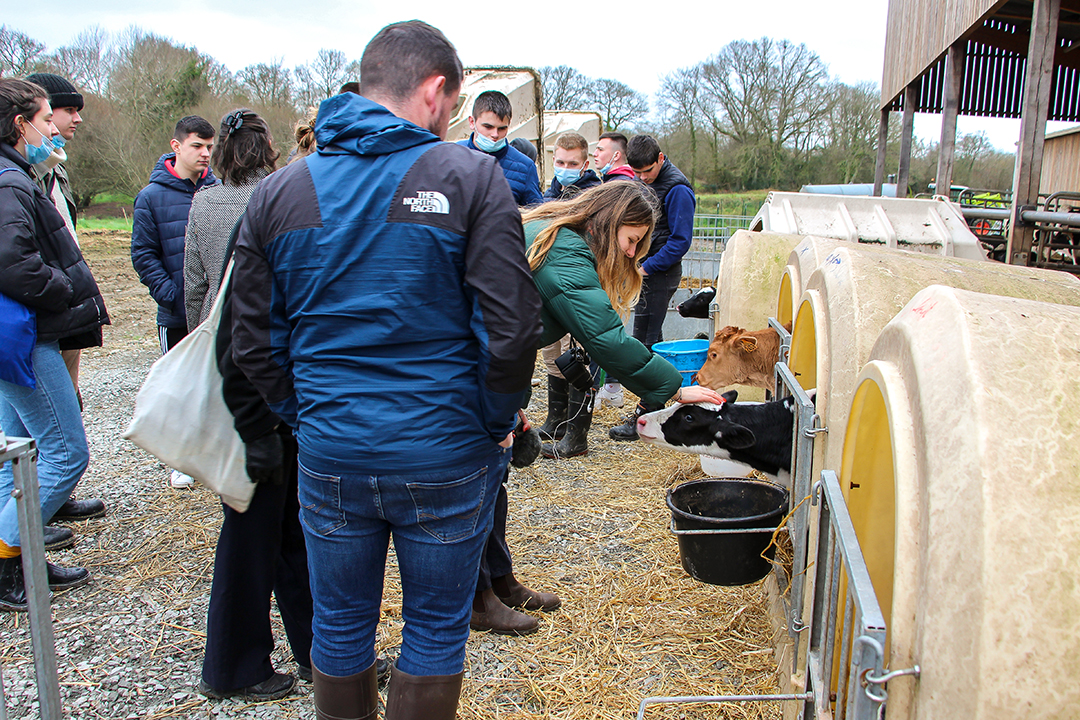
(40, 264)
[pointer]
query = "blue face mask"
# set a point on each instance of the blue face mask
(567, 176)
(38, 153)
(487, 145)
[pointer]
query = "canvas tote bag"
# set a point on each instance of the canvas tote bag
(181, 417)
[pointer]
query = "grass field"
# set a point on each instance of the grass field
(747, 203)
(119, 224)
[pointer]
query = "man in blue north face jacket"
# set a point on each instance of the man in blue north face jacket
(490, 121)
(383, 306)
(160, 223)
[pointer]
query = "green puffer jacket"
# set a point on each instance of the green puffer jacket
(575, 303)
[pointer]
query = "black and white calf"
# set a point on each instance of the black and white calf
(697, 305)
(757, 435)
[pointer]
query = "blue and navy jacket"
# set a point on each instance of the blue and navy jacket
(157, 237)
(519, 170)
(382, 303)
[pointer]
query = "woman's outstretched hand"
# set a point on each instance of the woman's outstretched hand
(696, 394)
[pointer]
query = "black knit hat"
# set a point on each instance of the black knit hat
(62, 94)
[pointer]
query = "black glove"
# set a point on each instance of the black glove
(526, 445)
(264, 459)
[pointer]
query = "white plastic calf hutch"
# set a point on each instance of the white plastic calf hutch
(962, 468)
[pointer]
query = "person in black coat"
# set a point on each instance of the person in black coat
(42, 268)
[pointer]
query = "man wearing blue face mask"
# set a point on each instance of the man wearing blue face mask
(572, 173)
(490, 121)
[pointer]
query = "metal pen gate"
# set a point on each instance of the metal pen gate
(22, 454)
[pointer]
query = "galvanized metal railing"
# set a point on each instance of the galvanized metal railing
(806, 429)
(857, 633)
(701, 263)
(22, 454)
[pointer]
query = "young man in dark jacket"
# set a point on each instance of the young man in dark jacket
(490, 121)
(160, 225)
(383, 306)
(572, 173)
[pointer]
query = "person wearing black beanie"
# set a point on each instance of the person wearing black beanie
(54, 181)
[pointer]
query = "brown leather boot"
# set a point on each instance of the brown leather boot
(422, 697)
(354, 697)
(515, 595)
(489, 613)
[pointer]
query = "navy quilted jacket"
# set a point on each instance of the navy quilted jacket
(157, 237)
(519, 170)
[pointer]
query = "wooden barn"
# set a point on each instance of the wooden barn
(992, 58)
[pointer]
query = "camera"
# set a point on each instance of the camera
(574, 365)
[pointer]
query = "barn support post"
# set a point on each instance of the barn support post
(907, 130)
(1038, 76)
(882, 146)
(954, 76)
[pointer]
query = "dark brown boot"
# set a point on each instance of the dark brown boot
(515, 595)
(422, 697)
(489, 613)
(354, 697)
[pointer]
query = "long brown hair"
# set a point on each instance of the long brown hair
(596, 215)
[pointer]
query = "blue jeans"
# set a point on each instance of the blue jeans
(49, 414)
(439, 522)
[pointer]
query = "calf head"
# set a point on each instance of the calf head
(700, 428)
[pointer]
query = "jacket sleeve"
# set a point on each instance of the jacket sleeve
(260, 346)
(196, 284)
(573, 295)
(147, 255)
(24, 274)
(252, 418)
(506, 315)
(679, 205)
(531, 195)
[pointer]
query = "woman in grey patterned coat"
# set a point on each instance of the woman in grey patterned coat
(243, 155)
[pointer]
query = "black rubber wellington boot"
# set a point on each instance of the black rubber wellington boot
(576, 440)
(554, 426)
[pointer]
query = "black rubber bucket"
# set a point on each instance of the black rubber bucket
(726, 504)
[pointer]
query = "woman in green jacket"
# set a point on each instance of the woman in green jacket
(585, 254)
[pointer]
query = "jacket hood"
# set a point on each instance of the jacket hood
(161, 175)
(349, 123)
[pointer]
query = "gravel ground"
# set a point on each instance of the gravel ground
(129, 645)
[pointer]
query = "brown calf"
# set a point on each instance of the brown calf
(738, 357)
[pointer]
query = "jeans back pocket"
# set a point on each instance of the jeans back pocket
(320, 501)
(449, 511)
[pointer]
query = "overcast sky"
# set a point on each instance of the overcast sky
(635, 43)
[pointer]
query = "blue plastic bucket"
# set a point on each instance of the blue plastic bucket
(686, 355)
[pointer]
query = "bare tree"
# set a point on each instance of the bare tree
(19, 53)
(685, 106)
(268, 84)
(88, 60)
(617, 103)
(769, 99)
(565, 88)
(849, 132)
(324, 76)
